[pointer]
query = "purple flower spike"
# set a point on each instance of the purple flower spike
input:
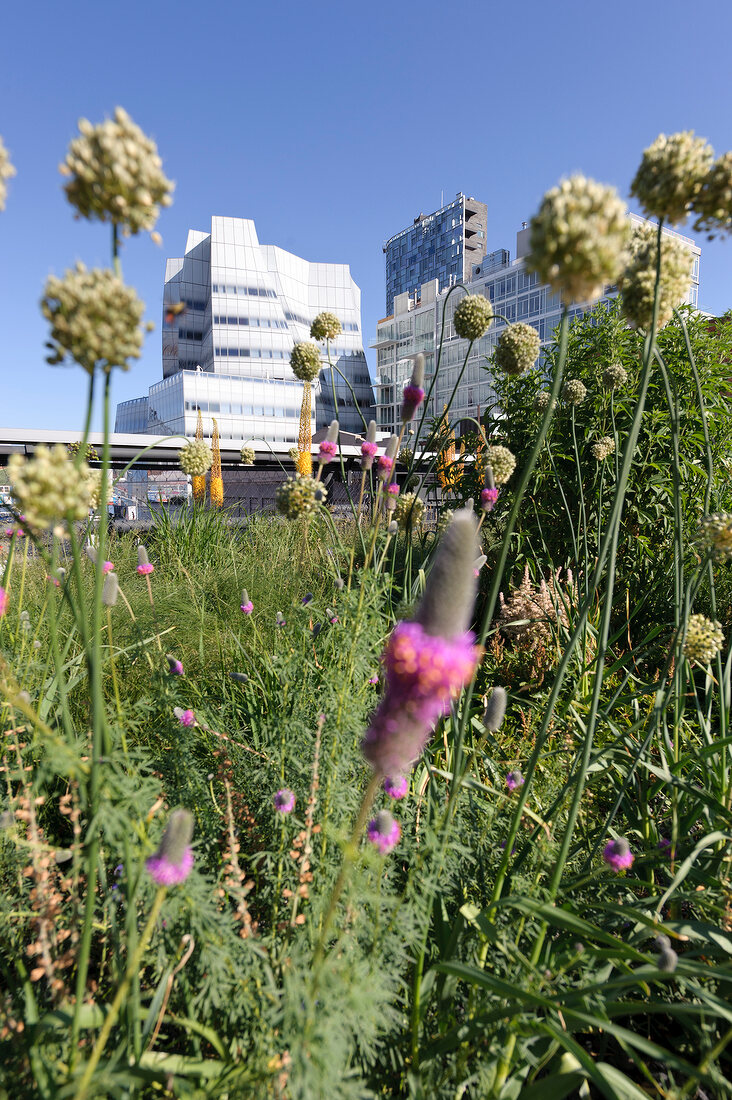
(175, 667)
(383, 831)
(247, 607)
(107, 567)
(617, 854)
(393, 489)
(172, 862)
(145, 569)
(284, 801)
(3, 601)
(488, 498)
(187, 718)
(413, 392)
(384, 466)
(396, 788)
(514, 779)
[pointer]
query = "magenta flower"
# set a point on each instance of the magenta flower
(373, 679)
(247, 607)
(514, 780)
(171, 864)
(397, 787)
(284, 801)
(488, 498)
(393, 489)
(3, 601)
(368, 454)
(384, 466)
(145, 569)
(175, 667)
(383, 831)
(413, 398)
(280, 619)
(327, 451)
(187, 718)
(617, 854)
(108, 567)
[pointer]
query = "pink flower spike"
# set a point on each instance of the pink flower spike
(3, 601)
(617, 854)
(247, 608)
(368, 450)
(284, 801)
(107, 567)
(165, 873)
(327, 451)
(393, 489)
(488, 498)
(171, 864)
(396, 788)
(384, 832)
(187, 718)
(175, 667)
(514, 780)
(145, 569)
(384, 466)
(413, 398)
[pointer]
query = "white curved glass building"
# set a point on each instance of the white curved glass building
(232, 309)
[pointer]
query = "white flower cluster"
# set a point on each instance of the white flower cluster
(305, 361)
(716, 530)
(116, 174)
(502, 462)
(574, 392)
(517, 348)
(94, 482)
(638, 281)
(704, 639)
(577, 238)
(94, 318)
(6, 172)
(713, 203)
(473, 314)
(671, 175)
(196, 458)
(614, 376)
(293, 452)
(299, 496)
(541, 401)
(326, 326)
(248, 454)
(49, 487)
(409, 510)
(603, 448)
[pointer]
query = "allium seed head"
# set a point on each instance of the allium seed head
(248, 455)
(603, 448)
(574, 392)
(305, 361)
(638, 281)
(473, 315)
(517, 349)
(671, 175)
(196, 458)
(49, 487)
(713, 203)
(326, 326)
(409, 511)
(716, 531)
(299, 496)
(502, 462)
(614, 376)
(704, 639)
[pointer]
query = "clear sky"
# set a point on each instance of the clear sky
(332, 125)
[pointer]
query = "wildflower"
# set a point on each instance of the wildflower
(427, 660)
(444, 521)
(614, 376)
(667, 957)
(175, 667)
(637, 283)
(530, 614)
(386, 461)
(368, 447)
(299, 496)
(95, 319)
(704, 639)
(373, 679)
(574, 392)
(488, 498)
(664, 844)
(384, 832)
(541, 401)
(603, 448)
(172, 862)
(144, 568)
(3, 601)
(577, 238)
(502, 463)
(326, 326)
(517, 349)
(331, 616)
(284, 801)
(393, 489)
(280, 619)
(397, 787)
(305, 361)
(307, 598)
(329, 447)
(7, 171)
(246, 604)
(406, 454)
(617, 854)
(49, 486)
(478, 564)
(514, 780)
(713, 202)
(473, 314)
(393, 528)
(414, 392)
(110, 591)
(409, 511)
(196, 458)
(185, 717)
(108, 567)
(495, 710)
(716, 530)
(671, 175)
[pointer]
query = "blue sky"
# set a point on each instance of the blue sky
(332, 125)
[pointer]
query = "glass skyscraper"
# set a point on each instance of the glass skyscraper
(232, 309)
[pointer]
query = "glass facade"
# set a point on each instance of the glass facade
(232, 309)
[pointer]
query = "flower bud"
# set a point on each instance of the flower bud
(495, 710)
(110, 591)
(446, 607)
(172, 862)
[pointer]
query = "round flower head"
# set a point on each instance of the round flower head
(713, 203)
(577, 238)
(144, 568)
(384, 832)
(574, 392)
(617, 854)
(514, 780)
(6, 172)
(406, 454)
(517, 349)
(116, 174)
(541, 401)
(95, 319)
(248, 455)
(614, 376)
(704, 639)
(246, 604)
(716, 531)
(3, 601)
(326, 326)
(638, 281)
(172, 862)
(305, 361)
(284, 801)
(396, 787)
(502, 462)
(175, 667)
(603, 448)
(299, 496)
(293, 452)
(196, 458)
(414, 392)
(49, 486)
(409, 510)
(185, 717)
(671, 175)
(473, 314)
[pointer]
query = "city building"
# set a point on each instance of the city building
(443, 246)
(416, 325)
(232, 310)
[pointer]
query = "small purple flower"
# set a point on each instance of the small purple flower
(397, 787)
(247, 607)
(145, 569)
(393, 489)
(488, 498)
(175, 667)
(368, 454)
(284, 801)
(281, 620)
(383, 831)
(307, 598)
(187, 718)
(514, 779)
(664, 844)
(373, 679)
(413, 398)
(107, 567)
(327, 451)
(617, 854)
(384, 466)
(172, 862)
